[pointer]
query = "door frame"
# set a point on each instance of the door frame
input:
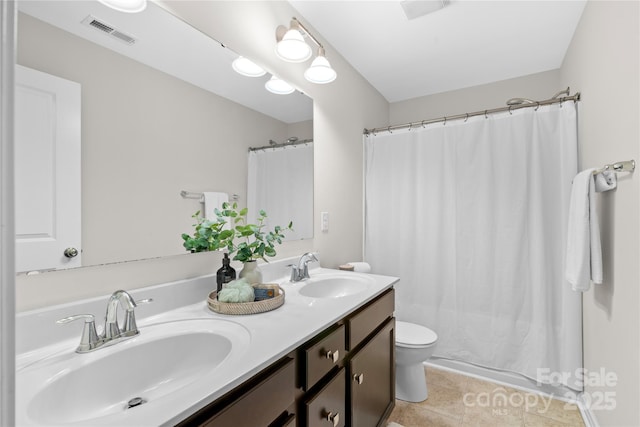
(8, 27)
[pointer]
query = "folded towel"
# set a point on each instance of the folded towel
(213, 201)
(584, 253)
(605, 181)
(236, 291)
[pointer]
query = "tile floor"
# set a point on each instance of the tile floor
(462, 401)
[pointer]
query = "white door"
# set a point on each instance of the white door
(47, 159)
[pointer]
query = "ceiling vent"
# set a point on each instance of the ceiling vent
(102, 26)
(416, 8)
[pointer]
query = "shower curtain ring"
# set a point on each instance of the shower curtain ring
(466, 118)
(445, 121)
(485, 114)
(410, 124)
(423, 123)
(389, 129)
(510, 113)
(537, 106)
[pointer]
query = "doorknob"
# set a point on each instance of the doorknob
(71, 252)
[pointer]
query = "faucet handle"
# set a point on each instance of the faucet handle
(89, 339)
(294, 273)
(130, 328)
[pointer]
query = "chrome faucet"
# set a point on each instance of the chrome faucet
(112, 333)
(301, 271)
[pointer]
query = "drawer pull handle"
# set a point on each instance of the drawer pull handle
(334, 418)
(359, 378)
(333, 355)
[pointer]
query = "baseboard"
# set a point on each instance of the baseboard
(588, 416)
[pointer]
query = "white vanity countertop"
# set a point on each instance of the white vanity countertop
(273, 335)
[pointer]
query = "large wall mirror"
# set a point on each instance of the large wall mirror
(162, 112)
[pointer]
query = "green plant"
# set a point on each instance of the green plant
(255, 243)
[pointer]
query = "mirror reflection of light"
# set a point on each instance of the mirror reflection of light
(127, 6)
(278, 86)
(247, 67)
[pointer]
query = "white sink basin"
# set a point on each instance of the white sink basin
(164, 358)
(335, 285)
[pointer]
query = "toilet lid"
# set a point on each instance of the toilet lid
(414, 335)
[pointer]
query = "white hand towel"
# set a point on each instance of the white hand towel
(212, 201)
(605, 181)
(584, 253)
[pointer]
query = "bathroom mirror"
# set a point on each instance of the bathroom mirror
(162, 112)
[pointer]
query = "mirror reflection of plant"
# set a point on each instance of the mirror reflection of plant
(256, 243)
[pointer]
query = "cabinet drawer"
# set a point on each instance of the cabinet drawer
(364, 322)
(327, 407)
(263, 403)
(322, 356)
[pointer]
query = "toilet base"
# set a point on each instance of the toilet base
(411, 383)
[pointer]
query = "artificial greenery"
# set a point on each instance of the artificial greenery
(255, 243)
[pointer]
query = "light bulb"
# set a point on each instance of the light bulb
(293, 48)
(247, 67)
(128, 6)
(320, 71)
(278, 86)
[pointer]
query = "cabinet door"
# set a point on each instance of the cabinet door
(263, 403)
(372, 379)
(326, 408)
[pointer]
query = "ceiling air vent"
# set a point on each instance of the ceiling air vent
(99, 25)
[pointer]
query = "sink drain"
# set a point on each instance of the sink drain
(136, 401)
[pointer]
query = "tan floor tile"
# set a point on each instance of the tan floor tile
(417, 416)
(461, 401)
(492, 417)
(533, 420)
(396, 414)
(445, 378)
(444, 400)
(558, 410)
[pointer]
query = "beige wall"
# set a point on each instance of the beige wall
(341, 110)
(602, 62)
(145, 137)
(478, 98)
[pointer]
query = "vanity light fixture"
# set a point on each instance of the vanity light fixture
(320, 70)
(291, 47)
(128, 6)
(278, 86)
(247, 67)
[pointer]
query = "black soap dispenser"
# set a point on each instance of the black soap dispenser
(226, 272)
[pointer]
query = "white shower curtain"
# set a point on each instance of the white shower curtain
(472, 216)
(280, 182)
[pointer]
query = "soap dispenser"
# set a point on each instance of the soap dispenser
(226, 273)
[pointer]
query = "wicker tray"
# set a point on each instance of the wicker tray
(247, 307)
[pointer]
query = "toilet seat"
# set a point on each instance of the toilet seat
(411, 335)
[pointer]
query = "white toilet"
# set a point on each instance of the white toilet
(414, 345)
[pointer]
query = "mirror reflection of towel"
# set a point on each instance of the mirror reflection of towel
(212, 201)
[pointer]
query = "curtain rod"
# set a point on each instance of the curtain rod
(282, 144)
(525, 103)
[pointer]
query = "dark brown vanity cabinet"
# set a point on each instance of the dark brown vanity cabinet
(363, 378)
(371, 376)
(343, 377)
